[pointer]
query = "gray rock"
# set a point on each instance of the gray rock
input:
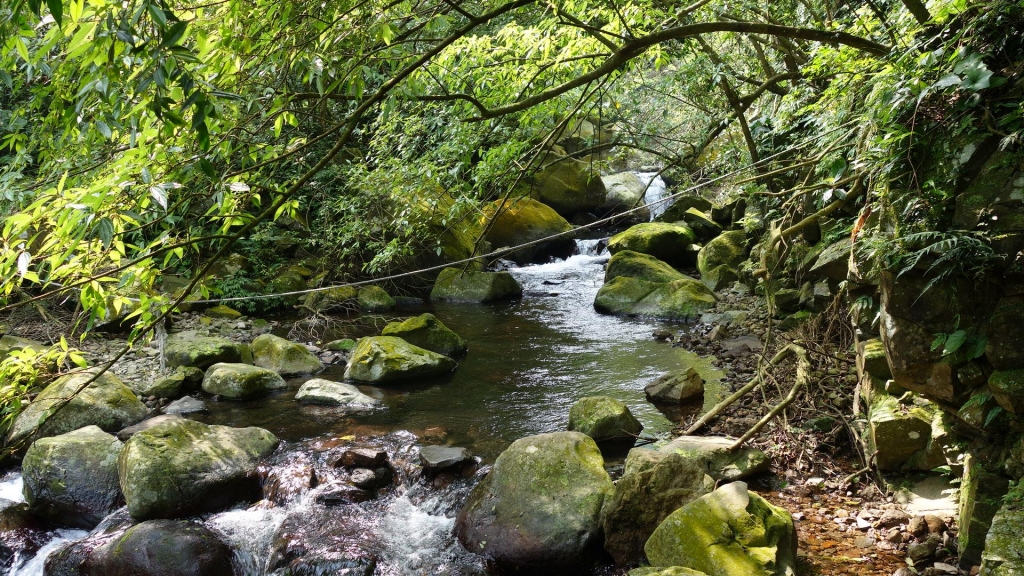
(603, 418)
(284, 357)
(186, 405)
(676, 387)
(163, 548)
(125, 433)
(712, 453)
(370, 479)
(362, 458)
(437, 459)
(319, 391)
(199, 351)
(455, 285)
(241, 381)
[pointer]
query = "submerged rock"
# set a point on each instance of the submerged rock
(319, 391)
(106, 403)
(713, 454)
(664, 241)
(391, 359)
(22, 533)
(516, 222)
(455, 285)
(603, 418)
(163, 548)
(427, 332)
(729, 532)
(186, 405)
(182, 467)
(193, 349)
(71, 479)
(284, 357)
(241, 381)
(538, 511)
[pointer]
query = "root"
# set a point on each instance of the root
(803, 375)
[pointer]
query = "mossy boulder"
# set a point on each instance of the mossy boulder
(729, 248)
(194, 349)
(719, 277)
(169, 386)
(833, 261)
(385, 359)
(664, 241)
(1007, 388)
(670, 571)
(603, 418)
(567, 185)
(71, 479)
(163, 548)
(283, 356)
(703, 226)
(427, 332)
(640, 266)
(106, 403)
(625, 191)
(333, 299)
(676, 387)
(729, 532)
(515, 222)
(241, 381)
(896, 432)
(455, 285)
(343, 345)
(223, 312)
(374, 299)
(714, 455)
(10, 344)
(677, 300)
(327, 393)
(181, 468)
(653, 485)
(677, 210)
(1002, 556)
(538, 511)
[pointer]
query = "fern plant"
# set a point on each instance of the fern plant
(951, 254)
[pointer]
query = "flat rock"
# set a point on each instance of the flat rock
(717, 460)
(437, 459)
(186, 405)
(125, 433)
(326, 392)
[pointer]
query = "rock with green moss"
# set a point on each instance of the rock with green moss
(283, 356)
(662, 240)
(603, 418)
(795, 320)
(427, 332)
(106, 403)
(677, 300)
(538, 511)
(981, 492)
(640, 266)
(182, 467)
(670, 571)
(653, 485)
(455, 285)
(333, 299)
(897, 432)
(222, 311)
(71, 479)
(343, 345)
(676, 387)
(1002, 348)
(386, 359)
(729, 248)
(524, 220)
(169, 386)
(719, 277)
(10, 344)
(199, 351)
(1002, 555)
(715, 456)
(871, 359)
(625, 191)
(729, 532)
(164, 548)
(327, 393)
(703, 225)
(833, 261)
(1007, 388)
(677, 210)
(374, 299)
(241, 381)
(568, 185)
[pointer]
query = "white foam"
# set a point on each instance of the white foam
(11, 488)
(34, 566)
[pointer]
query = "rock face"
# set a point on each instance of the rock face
(713, 455)
(516, 222)
(1007, 388)
(904, 437)
(834, 261)
(71, 479)
(374, 299)
(568, 185)
(193, 349)
(653, 485)
(427, 332)
(284, 357)
(106, 403)
(241, 381)
(454, 285)
(676, 387)
(390, 359)
(728, 248)
(1002, 544)
(182, 467)
(664, 241)
(676, 300)
(538, 510)
(640, 266)
(729, 532)
(603, 418)
(163, 548)
(625, 191)
(319, 391)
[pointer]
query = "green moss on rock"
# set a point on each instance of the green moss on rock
(284, 357)
(515, 222)
(675, 300)
(427, 332)
(1007, 388)
(385, 359)
(455, 285)
(194, 349)
(640, 266)
(667, 242)
(728, 248)
(241, 381)
(603, 418)
(374, 299)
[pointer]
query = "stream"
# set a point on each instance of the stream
(529, 360)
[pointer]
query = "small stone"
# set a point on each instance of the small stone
(437, 459)
(935, 524)
(186, 405)
(894, 536)
(863, 524)
(917, 526)
(863, 542)
(944, 568)
(362, 458)
(370, 479)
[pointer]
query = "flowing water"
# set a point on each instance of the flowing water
(529, 361)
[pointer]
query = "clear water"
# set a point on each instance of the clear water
(655, 191)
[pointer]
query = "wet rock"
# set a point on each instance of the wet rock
(125, 433)
(429, 333)
(676, 387)
(456, 285)
(653, 485)
(241, 381)
(284, 357)
(664, 241)
(676, 300)
(729, 532)
(603, 418)
(21, 533)
(186, 405)
(163, 548)
(370, 479)
(524, 220)
(729, 248)
(362, 458)
(641, 266)
(387, 359)
(325, 392)
(320, 541)
(719, 277)
(71, 479)
(437, 459)
(624, 191)
(374, 299)
(198, 351)
(106, 403)
(538, 510)
(341, 494)
(718, 461)
(182, 467)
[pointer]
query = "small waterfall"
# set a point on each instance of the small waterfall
(11, 488)
(161, 340)
(655, 192)
(250, 533)
(34, 566)
(592, 247)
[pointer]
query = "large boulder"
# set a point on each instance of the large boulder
(729, 248)
(833, 261)
(374, 299)
(194, 349)
(568, 185)
(625, 191)
(729, 532)
(241, 381)
(106, 403)
(283, 356)
(515, 222)
(603, 418)
(904, 437)
(1002, 556)
(427, 332)
(677, 300)
(183, 467)
(538, 511)
(163, 548)
(325, 392)
(653, 485)
(664, 241)
(455, 285)
(640, 266)
(390, 359)
(71, 479)
(669, 571)
(714, 456)
(339, 298)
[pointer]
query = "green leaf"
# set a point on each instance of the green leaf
(157, 14)
(838, 168)
(992, 414)
(940, 339)
(207, 167)
(56, 10)
(104, 129)
(976, 78)
(954, 342)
